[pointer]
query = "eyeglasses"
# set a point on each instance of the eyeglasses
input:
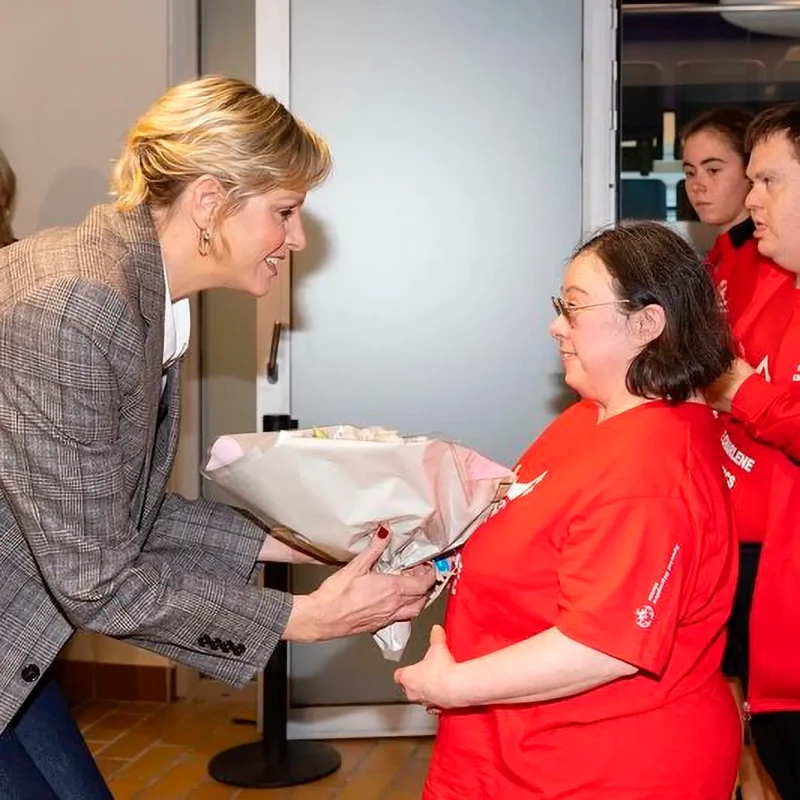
(566, 310)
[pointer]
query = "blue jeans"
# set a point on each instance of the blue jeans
(43, 755)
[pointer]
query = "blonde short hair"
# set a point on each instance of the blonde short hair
(8, 193)
(222, 127)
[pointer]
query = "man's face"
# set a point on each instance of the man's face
(774, 200)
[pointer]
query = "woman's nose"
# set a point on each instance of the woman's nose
(296, 235)
(557, 328)
(696, 186)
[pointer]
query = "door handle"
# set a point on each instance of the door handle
(272, 362)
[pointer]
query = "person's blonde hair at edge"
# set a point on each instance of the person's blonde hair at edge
(222, 127)
(8, 193)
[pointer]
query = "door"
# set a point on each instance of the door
(460, 131)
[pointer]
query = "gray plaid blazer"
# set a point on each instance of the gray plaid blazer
(88, 536)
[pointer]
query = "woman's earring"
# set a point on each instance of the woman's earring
(204, 242)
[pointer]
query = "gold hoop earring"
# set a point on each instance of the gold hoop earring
(204, 242)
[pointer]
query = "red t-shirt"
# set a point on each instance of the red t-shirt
(765, 424)
(619, 534)
(749, 465)
(731, 262)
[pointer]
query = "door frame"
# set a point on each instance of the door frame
(599, 191)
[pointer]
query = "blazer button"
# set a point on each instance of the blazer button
(30, 673)
(227, 646)
(216, 644)
(204, 640)
(238, 649)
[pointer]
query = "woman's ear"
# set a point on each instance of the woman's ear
(648, 323)
(205, 198)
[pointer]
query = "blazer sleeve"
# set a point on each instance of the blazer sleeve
(69, 354)
(226, 540)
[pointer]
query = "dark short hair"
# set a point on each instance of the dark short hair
(730, 122)
(780, 120)
(651, 264)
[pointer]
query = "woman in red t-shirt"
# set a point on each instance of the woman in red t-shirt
(714, 166)
(581, 652)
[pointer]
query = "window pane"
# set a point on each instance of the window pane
(677, 65)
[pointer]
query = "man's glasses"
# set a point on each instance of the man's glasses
(566, 310)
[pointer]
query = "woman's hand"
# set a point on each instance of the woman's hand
(356, 600)
(721, 393)
(430, 682)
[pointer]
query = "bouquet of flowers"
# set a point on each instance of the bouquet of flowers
(327, 490)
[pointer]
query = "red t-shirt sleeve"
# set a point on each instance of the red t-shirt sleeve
(621, 579)
(770, 413)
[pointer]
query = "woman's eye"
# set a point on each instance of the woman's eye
(286, 213)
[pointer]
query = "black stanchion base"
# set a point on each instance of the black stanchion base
(252, 766)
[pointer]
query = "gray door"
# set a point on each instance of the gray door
(423, 299)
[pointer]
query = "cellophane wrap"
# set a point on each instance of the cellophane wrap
(328, 490)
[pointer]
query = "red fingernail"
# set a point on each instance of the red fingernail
(383, 532)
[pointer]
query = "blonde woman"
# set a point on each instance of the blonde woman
(93, 323)
(8, 193)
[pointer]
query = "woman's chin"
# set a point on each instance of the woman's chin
(260, 286)
(571, 379)
(574, 376)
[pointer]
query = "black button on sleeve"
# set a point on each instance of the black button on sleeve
(30, 673)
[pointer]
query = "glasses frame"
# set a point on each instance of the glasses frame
(565, 309)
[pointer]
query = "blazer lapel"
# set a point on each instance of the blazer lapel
(172, 419)
(165, 445)
(138, 232)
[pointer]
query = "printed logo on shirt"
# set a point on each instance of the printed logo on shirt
(518, 490)
(763, 369)
(722, 293)
(646, 613)
(737, 457)
(457, 567)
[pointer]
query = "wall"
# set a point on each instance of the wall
(73, 77)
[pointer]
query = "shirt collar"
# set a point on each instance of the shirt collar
(177, 326)
(741, 233)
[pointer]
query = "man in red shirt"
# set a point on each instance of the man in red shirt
(761, 400)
